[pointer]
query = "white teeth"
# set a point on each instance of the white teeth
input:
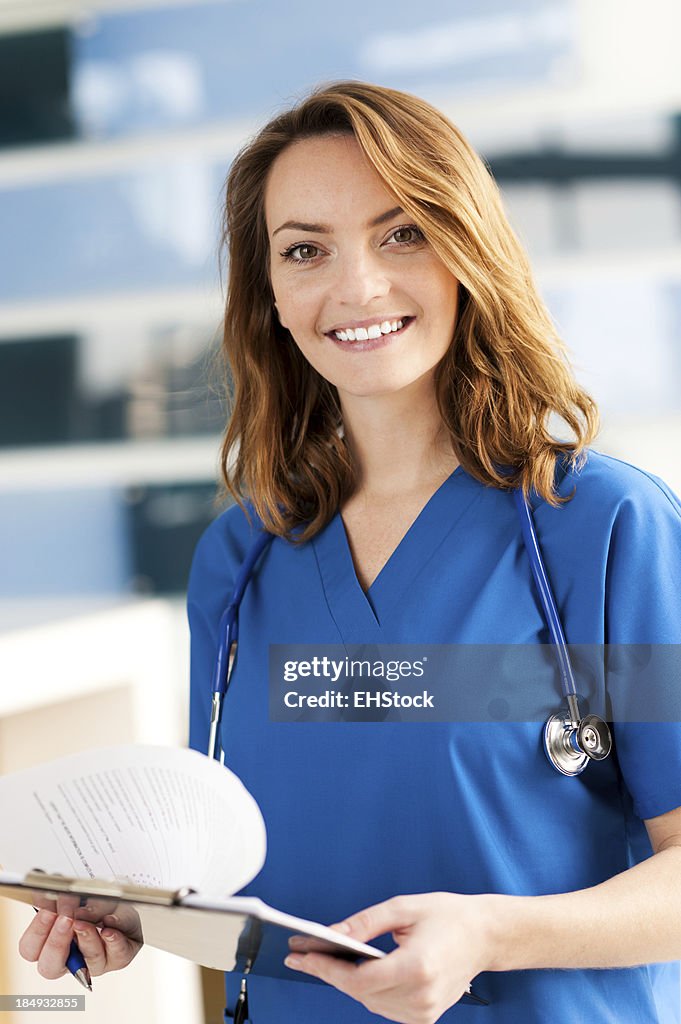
(373, 332)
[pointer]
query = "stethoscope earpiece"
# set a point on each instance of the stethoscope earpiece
(570, 746)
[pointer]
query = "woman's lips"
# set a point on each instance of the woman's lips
(371, 343)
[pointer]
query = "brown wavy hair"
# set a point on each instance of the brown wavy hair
(504, 375)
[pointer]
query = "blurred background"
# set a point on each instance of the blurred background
(118, 120)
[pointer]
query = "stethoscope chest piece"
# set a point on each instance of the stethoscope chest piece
(570, 746)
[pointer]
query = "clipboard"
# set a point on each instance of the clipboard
(239, 933)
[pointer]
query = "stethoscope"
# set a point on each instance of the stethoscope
(570, 740)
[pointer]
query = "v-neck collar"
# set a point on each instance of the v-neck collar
(362, 617)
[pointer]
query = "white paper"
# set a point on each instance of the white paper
(157, 816)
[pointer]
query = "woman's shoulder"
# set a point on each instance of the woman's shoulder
(222, 548)
(232, 531)
(611, 485)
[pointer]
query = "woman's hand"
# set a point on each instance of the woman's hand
(110, 947)
(444, 940)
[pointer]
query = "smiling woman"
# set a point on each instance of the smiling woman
(357, 210)
(394, 374)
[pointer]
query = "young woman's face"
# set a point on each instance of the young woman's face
(347, 264)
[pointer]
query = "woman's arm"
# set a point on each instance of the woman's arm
(444, 939)
(632, 918)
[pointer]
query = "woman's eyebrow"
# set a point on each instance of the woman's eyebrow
(324, 229)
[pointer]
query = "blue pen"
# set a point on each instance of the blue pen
(76, 964)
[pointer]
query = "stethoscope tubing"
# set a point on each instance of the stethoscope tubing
(548, 601)
(228, 636)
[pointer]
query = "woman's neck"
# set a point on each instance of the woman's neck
(399, 442)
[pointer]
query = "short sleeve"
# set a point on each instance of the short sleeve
(643, 607)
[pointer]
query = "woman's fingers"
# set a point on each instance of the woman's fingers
(47, 942)
(67, 904)
(96, 950)
(119, 947)
(95, 908)
(125, 920)
(33, 939)
(389, 916)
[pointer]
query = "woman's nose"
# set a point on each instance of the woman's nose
(360, 277)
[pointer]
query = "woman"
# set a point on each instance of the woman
(394, 371)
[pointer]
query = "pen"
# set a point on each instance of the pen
(75, 963)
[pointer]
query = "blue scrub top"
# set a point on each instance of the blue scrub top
(357, 813)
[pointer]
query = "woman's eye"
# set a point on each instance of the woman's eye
(408, 235)
(300, 253)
